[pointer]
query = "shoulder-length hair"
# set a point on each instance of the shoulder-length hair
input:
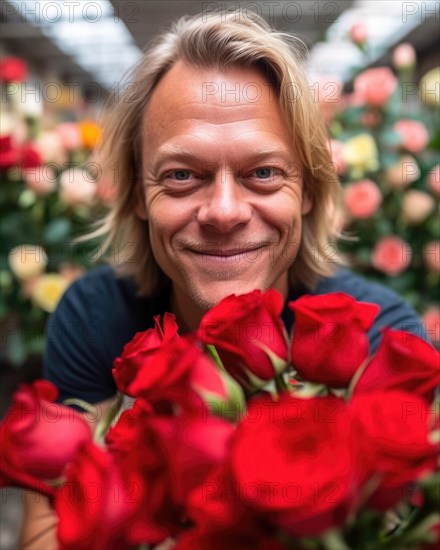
(219, 41)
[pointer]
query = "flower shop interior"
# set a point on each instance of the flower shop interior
(374, 70)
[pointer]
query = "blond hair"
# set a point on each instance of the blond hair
(220, 41)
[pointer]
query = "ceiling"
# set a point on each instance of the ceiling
(308, 19)
(80, 52)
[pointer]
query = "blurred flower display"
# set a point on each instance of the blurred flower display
(49, 197)
(385, 145)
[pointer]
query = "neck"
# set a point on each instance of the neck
(188, 315)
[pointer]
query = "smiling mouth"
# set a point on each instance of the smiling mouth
(226, 253)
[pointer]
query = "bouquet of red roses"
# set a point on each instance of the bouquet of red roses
(240, 436)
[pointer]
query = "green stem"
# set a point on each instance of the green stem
(216, 356)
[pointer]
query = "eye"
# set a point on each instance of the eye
(264, 173)
(181, 175)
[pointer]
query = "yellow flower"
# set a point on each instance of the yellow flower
(90, 133)
(27, 261)
(429, 87)
(48, 289)
(360, 153)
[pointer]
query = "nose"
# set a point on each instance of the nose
(226, 206)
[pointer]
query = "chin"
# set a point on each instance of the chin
(206, 297)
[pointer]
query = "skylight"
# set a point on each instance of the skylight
(91, 33)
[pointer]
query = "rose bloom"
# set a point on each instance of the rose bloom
(12, 69)
(431, 320)
(404, 55)
(403, 173)
(362, 199)
(30, 156)
(434, 179)
(39, 438)
(50, 147)
(70, 135)
(429, 87)
(360, 152)
(431, 254)
(391, 255)
(416, 206)
(9, 153)
(336, 149)
(413, 134)
(41, 180)
(358, 33)
(375, 86)
(76, 187)
(90, 133)
(27, 261)
(48, 290)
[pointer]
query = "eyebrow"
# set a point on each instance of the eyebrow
(177, 153)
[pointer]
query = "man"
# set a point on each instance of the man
(225, 185)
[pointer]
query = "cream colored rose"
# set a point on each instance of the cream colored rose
(416, 206)
(27, 261)
(47, 291)
(429, 87)
(403, 173)
(360, 153)
(77, 187)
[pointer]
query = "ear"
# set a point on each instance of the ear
(139, 205)
(307, 203)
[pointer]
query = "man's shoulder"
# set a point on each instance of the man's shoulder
(359, 287)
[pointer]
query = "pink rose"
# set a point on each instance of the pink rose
(336, 151)
(375, 86)
(413, 134)
(362, 198)
(70, 135)
(404, 55)
(403, 173)
(434, 179)
(41, 180)
(416, 206)
(358, 33)
(391, 255)
(431, 254)
(431, 320)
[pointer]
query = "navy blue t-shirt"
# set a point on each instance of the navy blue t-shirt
(100, 313)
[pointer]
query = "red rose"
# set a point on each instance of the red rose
(392, 430)
(30, 157)
(249, 336)
(95, 504)
(137, 353)
(403, 362)
(166, 376)
(12, 69)
(294, 460)
(39, 438)
(9, 155)
(135, 445)
(222, 518)
(330, 339)
(194, 445)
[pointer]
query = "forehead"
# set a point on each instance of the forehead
(211, 96)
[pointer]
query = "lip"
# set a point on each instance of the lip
(219, 253)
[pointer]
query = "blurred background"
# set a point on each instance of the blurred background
(374, 68)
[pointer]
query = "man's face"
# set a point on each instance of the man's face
(223, 188)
